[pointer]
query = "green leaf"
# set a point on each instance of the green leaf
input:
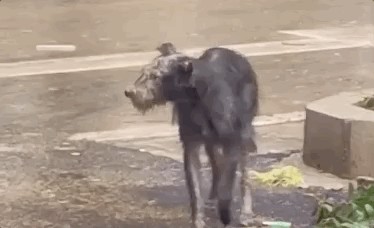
(331, 223)
(361, 225)
(354, 206)
(347, 225)
(327, 207)
(369, 210)
(359, 215)
(344, 211)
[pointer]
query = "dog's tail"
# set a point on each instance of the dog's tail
(225, 191)
(224, 211)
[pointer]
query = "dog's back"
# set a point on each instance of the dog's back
(227, 89)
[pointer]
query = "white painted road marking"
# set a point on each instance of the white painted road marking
(318, 40)
(137, 131)
(354, 33)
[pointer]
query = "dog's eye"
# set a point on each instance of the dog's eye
(153, 76)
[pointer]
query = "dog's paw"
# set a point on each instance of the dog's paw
(198, 223)
(249, 220)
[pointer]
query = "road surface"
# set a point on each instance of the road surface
(75, 154)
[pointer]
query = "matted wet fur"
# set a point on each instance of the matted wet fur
(155, 85)
(215, 99)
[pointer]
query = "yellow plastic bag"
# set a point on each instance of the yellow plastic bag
(287, 176)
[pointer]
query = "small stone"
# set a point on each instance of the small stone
(95, 179)
(275, 151)
(151, 202)
(75, 153)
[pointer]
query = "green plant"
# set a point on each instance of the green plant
(358, 212)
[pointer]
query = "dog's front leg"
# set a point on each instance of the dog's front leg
(193, 179)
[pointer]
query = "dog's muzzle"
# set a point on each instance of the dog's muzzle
(129, 92)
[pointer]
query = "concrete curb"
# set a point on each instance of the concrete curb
(339, 136)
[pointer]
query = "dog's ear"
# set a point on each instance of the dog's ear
(185, 69)
(185, 66)
(167, 49)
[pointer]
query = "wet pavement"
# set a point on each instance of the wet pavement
(115, 26)
(133, 178)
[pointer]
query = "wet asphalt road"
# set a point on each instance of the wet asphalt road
(48, 181)
(98, 27)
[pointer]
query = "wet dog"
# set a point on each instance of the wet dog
(215, 99)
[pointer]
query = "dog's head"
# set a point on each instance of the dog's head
(162, 80)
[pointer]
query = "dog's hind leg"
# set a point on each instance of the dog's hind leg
(246, 217)
(215, 159)
(193, 182)
(231, 153)
(246, 213)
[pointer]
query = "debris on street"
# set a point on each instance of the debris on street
(287, 176)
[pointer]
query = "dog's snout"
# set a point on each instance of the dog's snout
(129, 92)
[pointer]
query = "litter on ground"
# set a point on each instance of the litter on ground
(287, 176)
